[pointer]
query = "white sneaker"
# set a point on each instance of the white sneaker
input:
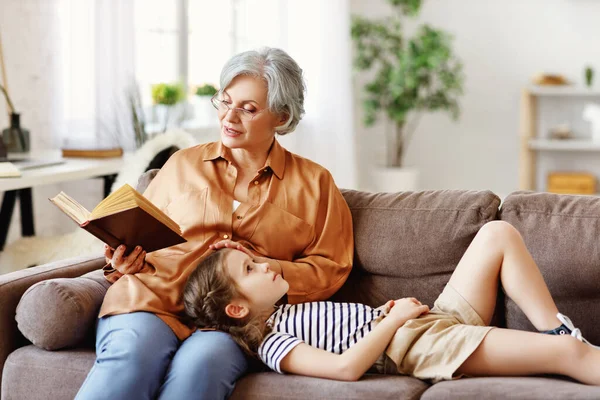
(575, 332)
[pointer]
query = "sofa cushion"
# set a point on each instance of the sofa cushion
(33, 373)
(526, 388)
(270, 385)
(145, 179)
(408, 244)
(59, 313)
(563, 235)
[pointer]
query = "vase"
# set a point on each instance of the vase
(204, 112)
(3, 152)
(15, 137)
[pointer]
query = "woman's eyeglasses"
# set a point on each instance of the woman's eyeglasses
(223, 107)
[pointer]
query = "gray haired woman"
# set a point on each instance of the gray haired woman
(247, 192)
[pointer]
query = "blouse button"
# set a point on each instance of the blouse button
(256, 182)
(225, 236)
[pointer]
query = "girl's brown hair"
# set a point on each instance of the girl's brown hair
(209, 289)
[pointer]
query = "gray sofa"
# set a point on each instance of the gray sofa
(407, 244)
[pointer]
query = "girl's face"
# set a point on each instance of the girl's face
(252, 130)
(260, 286)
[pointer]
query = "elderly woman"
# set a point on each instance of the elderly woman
(245, 190)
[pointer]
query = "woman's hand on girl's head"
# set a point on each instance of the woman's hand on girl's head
(230, 244)
(130, 264)
(404, 309)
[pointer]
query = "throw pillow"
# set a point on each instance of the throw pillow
(59, 313)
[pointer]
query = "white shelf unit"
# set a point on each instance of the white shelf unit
(564, 102)
(563, 145)
(566, 90)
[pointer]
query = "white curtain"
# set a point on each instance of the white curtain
(315, 33)
(115, 70)
(98, 67)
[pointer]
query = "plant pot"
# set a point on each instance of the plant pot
(395, 179)
(167, 116)
(204, 112)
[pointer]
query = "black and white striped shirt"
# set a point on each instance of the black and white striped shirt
(329, 326)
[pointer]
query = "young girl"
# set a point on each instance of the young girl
(230, 291)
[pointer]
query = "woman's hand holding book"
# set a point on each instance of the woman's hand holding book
(130, 264)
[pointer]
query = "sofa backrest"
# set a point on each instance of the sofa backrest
(562, 234)
(408, 244)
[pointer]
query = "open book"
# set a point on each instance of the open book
(124, 217)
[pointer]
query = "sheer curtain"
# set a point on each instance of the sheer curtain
(115, 70)
(98, 67)
(317, 35)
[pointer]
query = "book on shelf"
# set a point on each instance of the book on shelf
(124, 217)
(92, 153)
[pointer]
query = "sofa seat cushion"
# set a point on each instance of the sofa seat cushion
(270, 385)
(408, 244)
(525, 388)
(562, 233)
(33, 373)
(58, 313)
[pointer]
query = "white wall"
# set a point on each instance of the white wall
(31, 38)
(502, 45)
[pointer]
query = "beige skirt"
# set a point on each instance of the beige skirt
(433, 346)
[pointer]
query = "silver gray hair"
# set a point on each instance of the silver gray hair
(285, 84)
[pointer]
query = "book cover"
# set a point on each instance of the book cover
(124, 217)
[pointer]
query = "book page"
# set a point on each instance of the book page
(72, 208)
(119, 200)
(126, 198)
(151, 209)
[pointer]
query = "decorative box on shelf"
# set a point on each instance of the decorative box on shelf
(571, 183)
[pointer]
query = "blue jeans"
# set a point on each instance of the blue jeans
(139, 357)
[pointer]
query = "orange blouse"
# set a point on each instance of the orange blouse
(295, 214)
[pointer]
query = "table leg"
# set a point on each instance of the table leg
(26, 203)
(8, 205)
(108, 181)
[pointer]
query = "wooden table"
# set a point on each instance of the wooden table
(70, 169)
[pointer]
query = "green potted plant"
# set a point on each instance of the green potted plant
(410, 76)
(206, 90)
(166, 97)
(204, 113)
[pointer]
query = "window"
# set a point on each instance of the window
(211, 40)
(215, 31)
(156, 44)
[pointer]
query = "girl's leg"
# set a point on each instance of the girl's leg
(498, 253)
(506, 352)
(133, 352)
(206, 366)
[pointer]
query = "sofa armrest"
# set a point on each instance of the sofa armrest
(14, 284)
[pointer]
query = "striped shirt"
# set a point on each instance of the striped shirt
(329, 326)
